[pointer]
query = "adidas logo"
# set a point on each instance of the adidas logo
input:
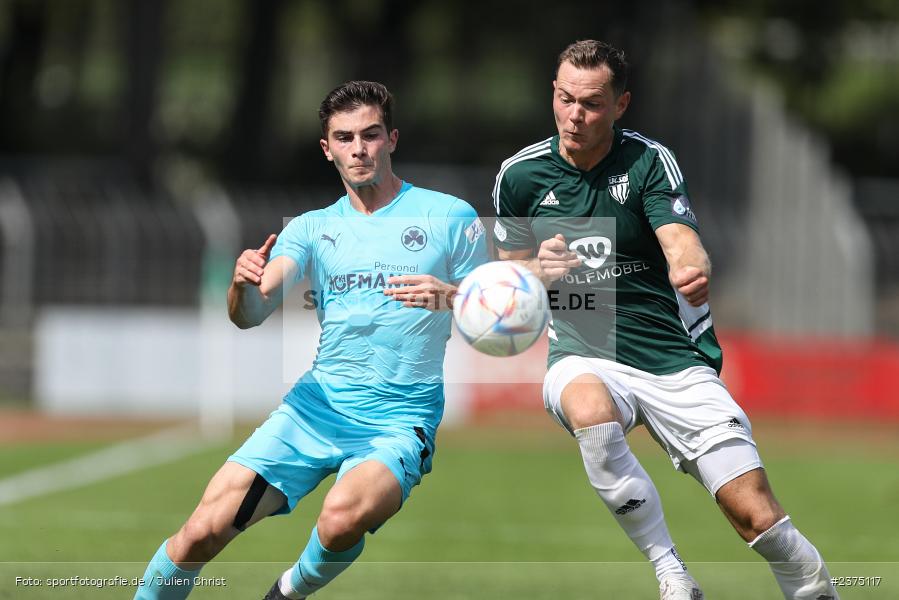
(629, 506)
(549, 200)
(735, 424)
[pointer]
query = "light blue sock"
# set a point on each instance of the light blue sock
(318, 565)
(164, 580)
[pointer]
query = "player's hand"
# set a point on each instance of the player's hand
(692, 283)
(251, 264)
(556, 260)
(421, 291)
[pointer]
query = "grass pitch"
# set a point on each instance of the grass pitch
(506, 513)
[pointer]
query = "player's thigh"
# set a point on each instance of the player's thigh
(733, 473)
(363, 498)
(378, 473)
(689, 412)
(290, 453)
(579, 393)
(723, 463)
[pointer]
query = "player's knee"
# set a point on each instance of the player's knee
(750, 504)
(752, 519)
(586, 402)
(340, 521)
(590, 411)
(761, 519)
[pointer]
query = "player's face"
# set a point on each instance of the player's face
(586, 107)
(359, 145)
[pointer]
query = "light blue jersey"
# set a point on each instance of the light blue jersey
(375, 390)
(377, 361)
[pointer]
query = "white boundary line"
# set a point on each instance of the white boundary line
(158, 448)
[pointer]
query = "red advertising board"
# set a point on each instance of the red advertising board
(804, 377)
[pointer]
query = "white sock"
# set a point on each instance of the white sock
(286, 587)
(626, 489)
(798, 568)
(669, 563)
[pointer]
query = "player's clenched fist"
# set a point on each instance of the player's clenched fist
(693, 283)
(556, 260)
(251, 264)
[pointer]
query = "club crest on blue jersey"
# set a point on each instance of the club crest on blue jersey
(414, 238)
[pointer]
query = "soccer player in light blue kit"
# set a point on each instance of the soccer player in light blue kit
(382, 262)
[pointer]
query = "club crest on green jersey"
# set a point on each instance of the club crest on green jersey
(619, 187)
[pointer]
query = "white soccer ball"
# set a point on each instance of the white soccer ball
(501, 308)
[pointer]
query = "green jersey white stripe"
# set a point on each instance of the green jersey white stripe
(536, 150)
(672, 170)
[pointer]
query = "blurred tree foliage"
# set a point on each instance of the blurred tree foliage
(836, 61)
(234, 85)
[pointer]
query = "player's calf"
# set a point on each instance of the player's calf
(316, 567)
(626, 489)
(178, 561)
(235, 498)
(582, 403)
(199, 541)
(751, 507)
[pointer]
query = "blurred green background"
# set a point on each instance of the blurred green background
(145, 143)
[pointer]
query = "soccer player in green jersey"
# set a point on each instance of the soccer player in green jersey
(602, 215)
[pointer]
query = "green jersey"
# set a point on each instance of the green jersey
(619, 304)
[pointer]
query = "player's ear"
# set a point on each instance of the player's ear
(621, 104)
(326, 149)
(393, 136)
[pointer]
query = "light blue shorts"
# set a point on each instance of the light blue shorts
(294, 454)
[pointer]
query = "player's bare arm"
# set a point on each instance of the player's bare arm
(553, 261)
(258, 285)
(525, 258)
(421, 291)
(689, 268)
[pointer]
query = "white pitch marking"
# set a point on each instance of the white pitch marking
(158, 448)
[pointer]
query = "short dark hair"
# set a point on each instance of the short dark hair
(591, 54)
(353, 94)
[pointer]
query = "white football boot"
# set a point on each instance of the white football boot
(679, 587)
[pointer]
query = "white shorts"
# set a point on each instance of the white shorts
(689, 413)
